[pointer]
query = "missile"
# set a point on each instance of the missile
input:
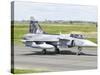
(46, 46)
(42, 46)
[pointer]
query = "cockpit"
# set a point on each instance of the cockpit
(79, 36)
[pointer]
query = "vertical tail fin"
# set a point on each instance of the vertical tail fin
(35, 27)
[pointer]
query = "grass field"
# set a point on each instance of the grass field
(20, 30)
(24, 71)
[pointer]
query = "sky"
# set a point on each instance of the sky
(51, 11)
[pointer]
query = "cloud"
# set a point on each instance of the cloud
(42, 11)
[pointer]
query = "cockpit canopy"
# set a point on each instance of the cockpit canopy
(79, 36)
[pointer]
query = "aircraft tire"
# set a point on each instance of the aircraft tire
(44, 51)
(57, 51)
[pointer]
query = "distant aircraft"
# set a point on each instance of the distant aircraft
(37, 38)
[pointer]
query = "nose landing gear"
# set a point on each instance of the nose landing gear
(79, 50)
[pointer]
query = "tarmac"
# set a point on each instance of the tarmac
(67, 60)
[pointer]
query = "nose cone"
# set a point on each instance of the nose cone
(86, 43)
(89, 43)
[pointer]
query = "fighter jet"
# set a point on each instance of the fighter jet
(37, 38)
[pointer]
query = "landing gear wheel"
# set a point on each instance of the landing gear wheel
(79, 50)
(44, 51)
(57, 51)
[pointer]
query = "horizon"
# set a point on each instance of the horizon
(50, 11)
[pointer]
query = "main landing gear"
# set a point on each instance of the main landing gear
(57, 51)
(44, 51)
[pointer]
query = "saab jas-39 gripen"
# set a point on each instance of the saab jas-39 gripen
(37, 38)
